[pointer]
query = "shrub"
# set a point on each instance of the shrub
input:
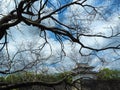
(107, 74)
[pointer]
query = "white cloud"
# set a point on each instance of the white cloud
(97, 27)
(6, 6)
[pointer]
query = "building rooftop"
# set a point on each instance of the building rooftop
(83, 68)
(83, 65)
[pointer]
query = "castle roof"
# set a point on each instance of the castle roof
(83, 65)
(83, 68)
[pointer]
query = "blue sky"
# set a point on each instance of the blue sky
(110, 9)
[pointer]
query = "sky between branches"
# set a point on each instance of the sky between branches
(110, 9)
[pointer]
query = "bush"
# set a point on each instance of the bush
(30, 76)
(107, 74)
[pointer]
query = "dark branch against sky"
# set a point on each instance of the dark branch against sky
(53, 35)
(92, 24)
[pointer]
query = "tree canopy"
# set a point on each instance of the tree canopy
(107, 74)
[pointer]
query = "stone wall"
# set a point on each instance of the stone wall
(100, 84)
(81, 85)
(62, 86)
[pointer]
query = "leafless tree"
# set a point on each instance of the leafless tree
(26, 12)
(76, 28)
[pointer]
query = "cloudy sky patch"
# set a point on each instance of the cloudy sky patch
(105, 26)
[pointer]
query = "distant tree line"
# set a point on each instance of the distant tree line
(108, 74)
(25, 79)
(28, 80)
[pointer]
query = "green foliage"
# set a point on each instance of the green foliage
(69, 79)
(107, 74)
(11, 78)
(62, 75)
(30, 76)
(2, 79)
(19, 77)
